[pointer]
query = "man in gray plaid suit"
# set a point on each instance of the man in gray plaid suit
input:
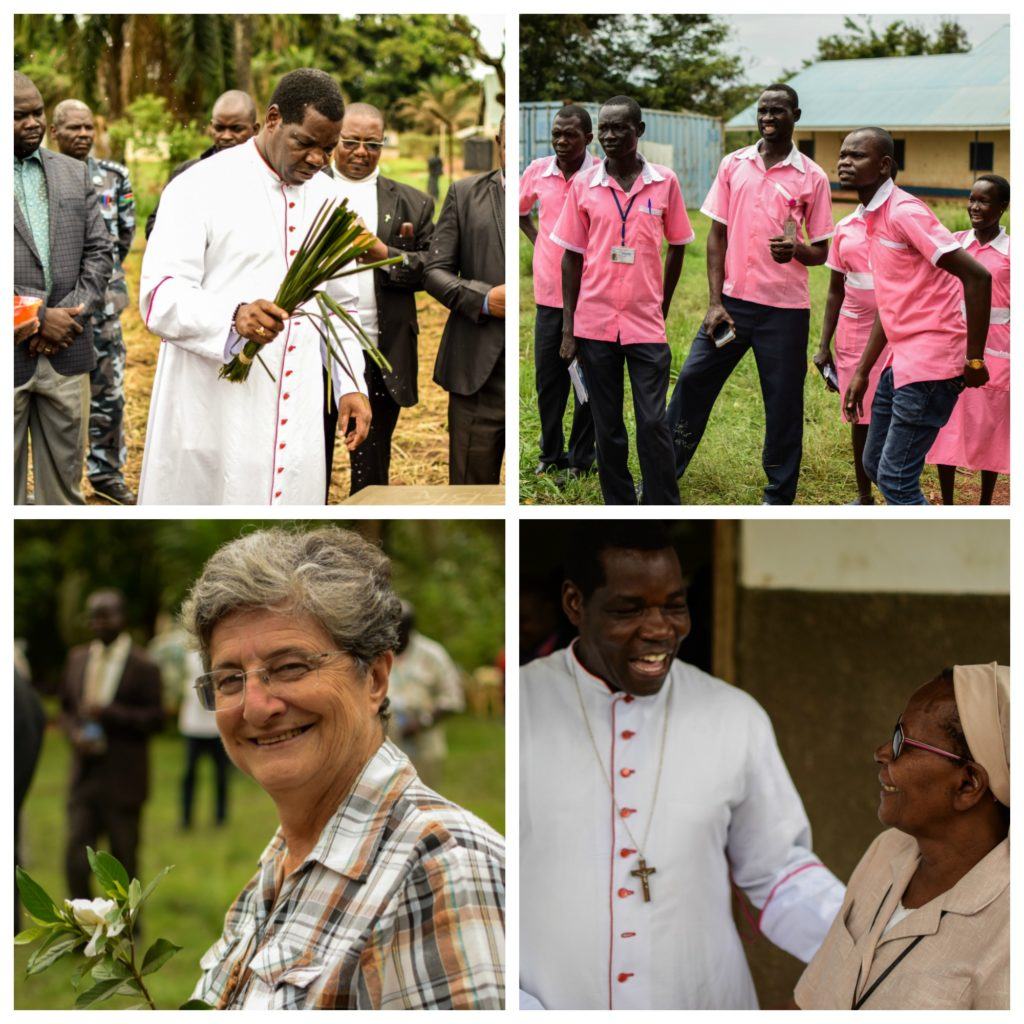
(64, 255)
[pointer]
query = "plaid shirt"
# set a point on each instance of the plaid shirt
(399, 906)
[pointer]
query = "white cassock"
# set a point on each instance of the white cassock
(228, 229)
(726, 804)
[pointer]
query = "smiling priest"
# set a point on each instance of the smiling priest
(229, 229)
(645, 783)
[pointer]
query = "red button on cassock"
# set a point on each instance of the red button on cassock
(628, 734)
(623, 893)
(277, 494)
(288, 373)
(291, 206)
(291, 227)
(626, 852)
(625, 976)
(292, 252)
(281, 445)
(291, 348)
(283, 422)
(286, 396)
(628, 698)
(280, 469)
(627, 935)
(626, 772)
(627, 811)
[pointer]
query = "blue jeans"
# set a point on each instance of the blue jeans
(904, 424)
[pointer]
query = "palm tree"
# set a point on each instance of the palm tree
(445, 102)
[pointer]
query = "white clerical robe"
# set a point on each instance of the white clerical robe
(725, 804)
(228, 230)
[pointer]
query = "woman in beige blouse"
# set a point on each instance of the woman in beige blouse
(926, 919)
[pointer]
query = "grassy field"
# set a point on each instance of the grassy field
(211, 865)
(727, 467)
(420, 444)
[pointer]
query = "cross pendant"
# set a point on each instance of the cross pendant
(642, 873)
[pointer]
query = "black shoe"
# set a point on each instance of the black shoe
(115, 491)
(546, 467)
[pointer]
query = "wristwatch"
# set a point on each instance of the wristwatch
(975, 364)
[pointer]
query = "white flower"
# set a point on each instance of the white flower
(96, 917)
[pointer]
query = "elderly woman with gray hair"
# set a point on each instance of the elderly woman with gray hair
(925, 924)
(375, 892)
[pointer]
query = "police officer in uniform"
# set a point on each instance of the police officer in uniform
(73, 131)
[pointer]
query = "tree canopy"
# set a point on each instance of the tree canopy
(109, 60)
(898, 39)
(665, 61)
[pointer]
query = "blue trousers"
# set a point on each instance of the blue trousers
(904, 424)
(779, 340)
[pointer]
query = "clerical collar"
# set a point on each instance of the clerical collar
(370, 179)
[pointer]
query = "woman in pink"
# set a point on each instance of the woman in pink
(977, 435)
(849, 314)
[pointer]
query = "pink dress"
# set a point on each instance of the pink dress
(848, 254)
(977, 435)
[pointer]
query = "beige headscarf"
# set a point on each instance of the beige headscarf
(983, 703)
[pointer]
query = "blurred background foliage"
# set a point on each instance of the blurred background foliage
(453, 572)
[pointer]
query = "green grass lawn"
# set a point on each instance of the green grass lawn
(727, 466)
(211, 865)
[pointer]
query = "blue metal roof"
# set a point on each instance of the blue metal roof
(935, 91)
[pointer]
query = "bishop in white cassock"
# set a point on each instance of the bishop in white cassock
(229, 228)
(641, 755)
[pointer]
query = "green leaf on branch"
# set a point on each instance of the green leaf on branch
(148, 891)
(195, 1004)
(157, 955)
(29, 935)
(109, 872)
(60, 944)
(100, 991)
(134, 894)
(35, 899)
(110, 968)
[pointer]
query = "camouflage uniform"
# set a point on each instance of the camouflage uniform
(107, 449)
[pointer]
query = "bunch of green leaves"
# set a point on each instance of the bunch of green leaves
(100, 933)
(334, 240)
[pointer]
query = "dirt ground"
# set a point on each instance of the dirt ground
(420, 445)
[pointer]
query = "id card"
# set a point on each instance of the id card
(623, 254)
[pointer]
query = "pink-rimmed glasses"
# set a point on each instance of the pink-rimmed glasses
(900, 740)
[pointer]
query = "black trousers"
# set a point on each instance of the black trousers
(603, 364)
(553, 387)
(211, 747)
(779, 340)
(371, 461)
(92, 816)
(476, 431)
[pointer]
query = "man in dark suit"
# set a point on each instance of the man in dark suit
(64, 255)
(110, 704)
(403, 219)
(466, 273)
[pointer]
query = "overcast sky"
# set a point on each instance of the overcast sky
(772, 43)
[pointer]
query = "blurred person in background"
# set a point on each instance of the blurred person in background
(199, 730)
(110, 705)
(425, 688)
(29, 725)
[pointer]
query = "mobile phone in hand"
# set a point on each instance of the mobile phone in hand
(828, 373)
(723, 334)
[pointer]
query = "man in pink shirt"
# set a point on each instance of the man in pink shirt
(917, 266)
(616, 298)
(757, 290)
(545, 184)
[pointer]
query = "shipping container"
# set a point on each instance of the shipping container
(691, 144)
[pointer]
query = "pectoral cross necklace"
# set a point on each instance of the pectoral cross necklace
(642, 871)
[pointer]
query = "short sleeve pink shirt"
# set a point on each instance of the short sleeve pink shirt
(753, 202)
(995, 258)
(919, 304)
(544, 184)
(622, 301)
(848, 254)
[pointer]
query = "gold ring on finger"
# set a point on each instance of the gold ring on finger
(261, 330)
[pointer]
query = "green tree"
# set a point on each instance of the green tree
(898, 39)
(665, 61)
(446, 103)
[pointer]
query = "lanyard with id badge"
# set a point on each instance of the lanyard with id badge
(623, 253)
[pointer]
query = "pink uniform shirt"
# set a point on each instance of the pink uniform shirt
(544, 184)
(919, 304)
(622, 301)
(848, 254)
(995, 258)
(753, 202)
